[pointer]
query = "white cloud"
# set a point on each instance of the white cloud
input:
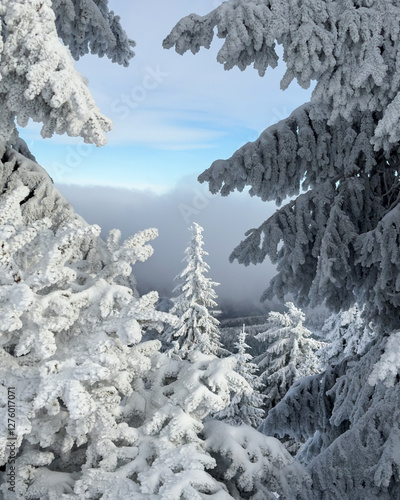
(225, 220)
(160, 131)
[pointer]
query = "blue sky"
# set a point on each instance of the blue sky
(173, 116)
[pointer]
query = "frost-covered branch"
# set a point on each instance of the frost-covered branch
(88, 25)
(298, 153)
(335, 43)
(38, 78)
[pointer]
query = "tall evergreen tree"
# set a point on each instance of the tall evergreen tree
(70, 323)
(197, 328)
(337, 240)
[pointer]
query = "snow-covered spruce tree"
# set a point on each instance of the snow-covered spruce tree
(38, 78)
(337, 241)
(248, 464)
(181, 457)
(346, 334)
(100, 414)
(188, 454)
(289, 353)
(97, 412)
(174, 455)
(197, 328)
(244, 407)
(69, 334)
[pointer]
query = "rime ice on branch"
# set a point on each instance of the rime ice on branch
(90, 26)
(338, 240)
(345, 46)
(38, 78)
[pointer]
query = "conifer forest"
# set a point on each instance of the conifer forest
(111, 393)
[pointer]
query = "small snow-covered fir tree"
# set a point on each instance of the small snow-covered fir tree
(244, 407)
(188, 454)
(169, 459)
(197, 327)
(289, 353)
(346, 334)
